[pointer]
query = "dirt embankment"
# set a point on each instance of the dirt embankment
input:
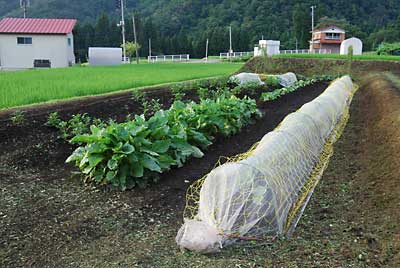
(355, 211)
(310, 67)
(378, 187)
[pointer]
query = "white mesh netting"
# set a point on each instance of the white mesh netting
(261, 194)
(246, 78)
(287, 79)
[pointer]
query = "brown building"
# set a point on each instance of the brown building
(329, 38)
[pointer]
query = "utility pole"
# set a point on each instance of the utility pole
(207, 50)
(134, 35)
(24, 5)
(312, 28)
(230, 40)
(122, 24)
(149, 49)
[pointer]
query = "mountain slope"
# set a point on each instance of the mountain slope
(286, 20)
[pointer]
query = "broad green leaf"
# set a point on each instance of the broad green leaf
(110, 175)
(83, 139)
(112, 164)
(151, 163)
(77, 155)
(197, 152)
(161, 146)
(95, 159)
(96, 147)
(137, 129)
(137, 169)
(127, 148)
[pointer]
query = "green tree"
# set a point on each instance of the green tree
(101, 31)
(301, 26)
(130, 48)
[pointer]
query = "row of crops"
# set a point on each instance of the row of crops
(134, 153)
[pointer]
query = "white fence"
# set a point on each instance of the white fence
(166, 58)
(235, 54)
(306, 51)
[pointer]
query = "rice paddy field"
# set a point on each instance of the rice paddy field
(38, 86)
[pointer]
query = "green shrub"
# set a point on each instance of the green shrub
(389, 49)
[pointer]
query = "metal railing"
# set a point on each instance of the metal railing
(235, 54)
(166, 58)
(306, 51)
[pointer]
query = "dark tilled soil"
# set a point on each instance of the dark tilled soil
(48, 218)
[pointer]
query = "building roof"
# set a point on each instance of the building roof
(330, 28)
(37, 26)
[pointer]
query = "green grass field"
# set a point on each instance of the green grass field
(337, 56)
(37, 86)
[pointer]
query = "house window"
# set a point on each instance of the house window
(69, 42)
(332, 36)
(24, 40)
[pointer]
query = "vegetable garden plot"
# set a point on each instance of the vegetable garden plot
(48, 163)
(263, 193)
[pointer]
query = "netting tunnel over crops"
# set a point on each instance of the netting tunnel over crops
(263, 192)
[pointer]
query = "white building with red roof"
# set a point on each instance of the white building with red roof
(33, 43)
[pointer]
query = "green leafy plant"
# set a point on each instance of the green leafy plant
(271, 81)
(138, 96)
(203, 93)
(131, 154)
(79, 124)
(178, 91)
(277, 93)
(18, 117)
(150, 107)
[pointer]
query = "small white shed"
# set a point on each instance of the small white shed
(351, 42)
(271, 47)
(103, 56)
